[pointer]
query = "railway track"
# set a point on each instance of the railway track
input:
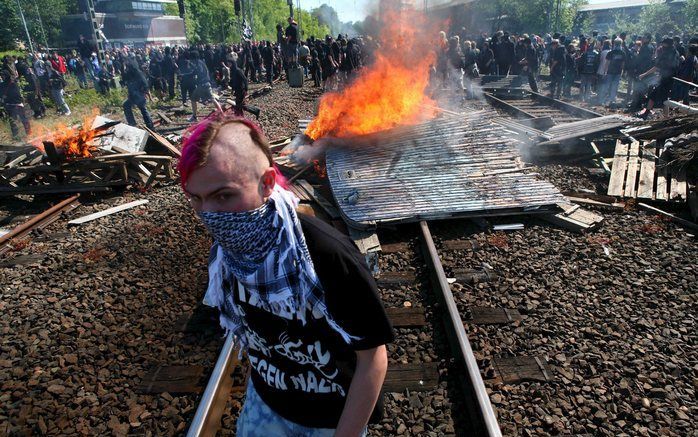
(545, 110)
(432, 364)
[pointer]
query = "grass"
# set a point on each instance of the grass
(82, 103)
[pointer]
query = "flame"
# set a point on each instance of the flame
(391, 91)
(73, 141)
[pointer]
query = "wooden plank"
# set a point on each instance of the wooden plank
(328, 207)
(599, 159)
(662, 183)
(493, 316)
(679, 186)
(164, 117)
(620, 165)
(633, 167)
(412, 317)
(164, 142)
(647, 170)
(396, 278)
(395, 247)
(469, 245)
(591, 202)
(106, 212)
(413, 377)
(513, 370)
(574, 219)
(172, 380)
(22, 260)
(366, 241)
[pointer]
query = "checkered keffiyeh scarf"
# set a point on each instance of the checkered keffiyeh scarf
(264, 250)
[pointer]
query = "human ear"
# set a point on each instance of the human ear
(268, 182)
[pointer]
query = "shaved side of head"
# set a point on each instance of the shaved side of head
(234, 149)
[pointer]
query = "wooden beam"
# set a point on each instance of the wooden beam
(106, 212)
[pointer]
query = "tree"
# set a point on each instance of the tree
(10, 25)
(657, 17)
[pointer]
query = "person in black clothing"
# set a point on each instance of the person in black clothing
(643, 62)
(292, 41)
(267, 53)
(137, 87)
(169, 69)
(666, 65)
(295, 294)
(530, 64)
(557, 68)
(315, 68)
(238, 84)
(187, 77)
(616, 62)
(505, 55)
(486, 59)
(32, 90)
(587, 65)
(257, 63)
(570, 70)
(12, 101)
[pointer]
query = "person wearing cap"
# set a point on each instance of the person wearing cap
(292, 41)
(294, 293)
(666, 65)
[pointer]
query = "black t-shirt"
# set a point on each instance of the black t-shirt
(303, 372)
(292, 34)
(667, 62)
(616, 59)
(559, 60)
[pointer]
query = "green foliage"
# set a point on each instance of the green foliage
(10, 25)
(537, 16)
(690, 14)
(657, 17)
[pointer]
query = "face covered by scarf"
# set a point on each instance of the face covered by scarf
(264, 250)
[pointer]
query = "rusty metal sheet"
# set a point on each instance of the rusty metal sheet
(450, 167)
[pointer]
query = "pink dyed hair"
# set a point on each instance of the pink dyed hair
(198, 140)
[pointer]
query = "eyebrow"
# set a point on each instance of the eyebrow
(217, 190)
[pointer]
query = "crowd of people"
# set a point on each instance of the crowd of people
(595, 63)
(649, 63)
(196, 71)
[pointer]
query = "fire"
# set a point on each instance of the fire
(73, 141)
(388, 93)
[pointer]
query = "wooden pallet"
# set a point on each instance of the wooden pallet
(638, 172)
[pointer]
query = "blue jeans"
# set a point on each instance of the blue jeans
(613, 82)
(258, 420)
(139, 101)
(61, 105)
(587, 82)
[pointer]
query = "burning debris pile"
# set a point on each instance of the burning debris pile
(99, 155)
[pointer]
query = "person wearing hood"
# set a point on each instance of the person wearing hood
(137, 87)
(294, 294)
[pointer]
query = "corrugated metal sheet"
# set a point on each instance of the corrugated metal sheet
(451, 167)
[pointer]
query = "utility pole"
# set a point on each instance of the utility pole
(29, 38)
(290, 7)
(95, 31)
(300, 25)
(41, 24)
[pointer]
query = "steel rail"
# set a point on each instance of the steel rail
(207, 419)
(38, 221)
(484, 420)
